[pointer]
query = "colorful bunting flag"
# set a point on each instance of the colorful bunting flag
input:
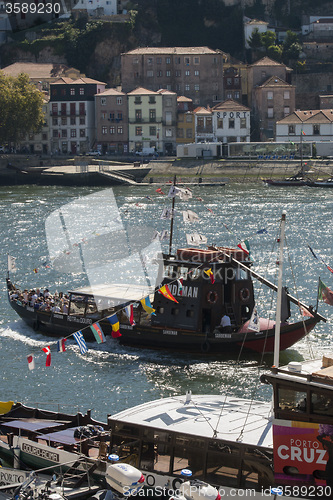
(47, 350)
(31, 362)
(98, 333)
(180, 286)
(196, 239)
(165, 291)
(61, 345)
(320, 259)
(130, 314)
(11, 263)
(325, 293)
(147, 305)
(305, 312)
(45, 264)
(189, 216)
(244, 246)
(35, 270)
(115, 326)
(209, 273)
(81, 342)
(159, 191)
(262, 231)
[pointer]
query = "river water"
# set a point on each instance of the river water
(110, 378)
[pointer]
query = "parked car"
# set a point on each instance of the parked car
(94, 153)
(146, 152)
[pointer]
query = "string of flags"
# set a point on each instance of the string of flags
(194, 238)
(318, 257)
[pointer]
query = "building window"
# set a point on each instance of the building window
(177, 60)
(63, 120)
(54, 121)
(64, 133)
(73, 120)
(150, 61)
(236, 81)
(135, 60)
(152, 115)
(168, 72)
(119, 100)
(55, 133)
(178, 87)
(187, 61)
(231, 123)
(150, 73)
(152, 99)
(103, 115)
(168, 118)
(229, 95)
(180, 133)
(187, 86)
(158, 60)
(316, 130)
(196, 60)
(119, 116)
(219, 123)
(286, 110)
(168, 86)
(137, 100)
(73, 132)
(159, 73)
(270, 112)
(187, 72)
(237, 95)
(269, 95)
(196, 72)
(111, 117)
(82, 132)
(138, 130)
(112, 130)
(104, 130)
(81, 91)
(286, 94)
(168, 132)
(189, 133)
(167, 60)
(229, 81)
(189, 118)
(44, 136)
(243, 123)
(138, 115)
(72, 91)
(178, 72)
(291, 130)
(120, 129)
(103, 101)
(152, 130)
(82, 120)
(196, 86)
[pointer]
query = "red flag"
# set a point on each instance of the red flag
(47, 350)
(165, 291)
(159, 191)
(31, 362)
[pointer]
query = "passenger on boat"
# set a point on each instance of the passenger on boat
(225, 325)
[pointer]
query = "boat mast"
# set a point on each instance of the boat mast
(279, 294)
(301, 146)
(172, 216)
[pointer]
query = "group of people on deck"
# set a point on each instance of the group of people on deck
(41, 300)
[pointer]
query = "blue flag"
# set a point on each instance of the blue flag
(81, 342)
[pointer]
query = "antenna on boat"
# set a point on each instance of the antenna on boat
(279, 293)
(172, 215)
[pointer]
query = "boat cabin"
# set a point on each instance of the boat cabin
(202, 302)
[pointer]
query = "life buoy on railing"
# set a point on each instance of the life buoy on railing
(205, 346)
(244, 294)
(212, 297)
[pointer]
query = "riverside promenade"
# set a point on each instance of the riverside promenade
(100, 171)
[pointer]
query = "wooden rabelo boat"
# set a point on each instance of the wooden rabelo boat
(191, 324)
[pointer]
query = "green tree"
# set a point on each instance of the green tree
(275, 52)
(255, 41)
(20, 108)
(268, 39)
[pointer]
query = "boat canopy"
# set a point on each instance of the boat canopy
(209, 416)
(65, 436)
(32, 425)
(116, 291)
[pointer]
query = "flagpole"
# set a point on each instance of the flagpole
(301, 150)
(317, 304)
(279, 295)
(172, 215)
